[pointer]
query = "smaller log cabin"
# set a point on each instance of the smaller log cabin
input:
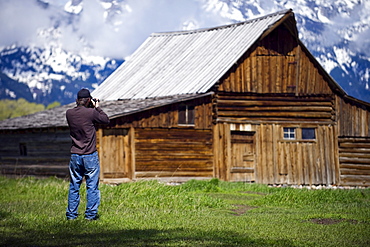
(242, 102)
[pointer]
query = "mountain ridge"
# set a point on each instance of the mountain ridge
(52, 73)
(48, 75)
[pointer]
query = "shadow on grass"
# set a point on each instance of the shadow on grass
(81, 233)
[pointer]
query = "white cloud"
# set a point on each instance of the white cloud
(127, 27)
(90, 33)
(20, 21)
(352, 26)
(146, 17)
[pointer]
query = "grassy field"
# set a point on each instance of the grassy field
(197, 213)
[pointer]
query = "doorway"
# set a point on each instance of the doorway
(242, 156)
(115, 154)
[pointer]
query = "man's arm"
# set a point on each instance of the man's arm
(101, 117)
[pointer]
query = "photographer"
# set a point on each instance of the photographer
(84, 160)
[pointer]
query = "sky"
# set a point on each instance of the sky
(118, 36)
(25, 22)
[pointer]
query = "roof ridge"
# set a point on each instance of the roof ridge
(187, 61)
(157, 34)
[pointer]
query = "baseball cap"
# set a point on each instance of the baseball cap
(83, 93)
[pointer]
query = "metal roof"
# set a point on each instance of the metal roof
(184, 62)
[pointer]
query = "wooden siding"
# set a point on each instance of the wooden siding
(279, 161)
(276, 84)
(277, 64)
(222, 151)
(167, 116)
(41, 152)
(173, 153)
(353, 119)
(306, 161)
(243, 156)
(310, 78)
(262, 108)
(354, 157)
(296, 161)
(116, 153)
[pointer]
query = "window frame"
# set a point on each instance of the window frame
(289, 132)
(308, 128)
(189, 118)
(23, 149)
(298, 133)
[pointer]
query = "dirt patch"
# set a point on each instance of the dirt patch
(241, 209)
(252, 192)
(328, 221)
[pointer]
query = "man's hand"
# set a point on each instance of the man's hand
(95, 102)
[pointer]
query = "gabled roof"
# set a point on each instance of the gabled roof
(56, 117)
(174, 67)
(184, 62)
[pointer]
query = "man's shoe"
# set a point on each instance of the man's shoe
(96, 217)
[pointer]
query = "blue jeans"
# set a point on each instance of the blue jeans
(81, 166)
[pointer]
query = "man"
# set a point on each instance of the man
(84, 160)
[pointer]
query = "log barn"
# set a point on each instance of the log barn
(241, 102)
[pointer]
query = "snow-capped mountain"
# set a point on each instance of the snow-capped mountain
(46, 75)
(335, 31)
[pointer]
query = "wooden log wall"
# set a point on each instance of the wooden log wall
(354, 158)
(262, 108)
(40, 152)
(354, 142)
(173, 153)
(167, 116)
(277, 64)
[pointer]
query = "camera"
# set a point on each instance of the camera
(91, 104)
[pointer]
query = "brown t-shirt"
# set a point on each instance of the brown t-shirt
(81, 121)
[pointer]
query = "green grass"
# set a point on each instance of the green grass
(197, 213)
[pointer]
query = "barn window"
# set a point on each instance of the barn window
(296, 133)
(289, 133)
(22, 149)
(186, 114)
(308, 134)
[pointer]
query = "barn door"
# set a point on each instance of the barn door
(115, 153)
(242, 156)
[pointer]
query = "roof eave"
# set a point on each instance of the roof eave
(185, 98)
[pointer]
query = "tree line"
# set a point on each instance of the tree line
(21, 107)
